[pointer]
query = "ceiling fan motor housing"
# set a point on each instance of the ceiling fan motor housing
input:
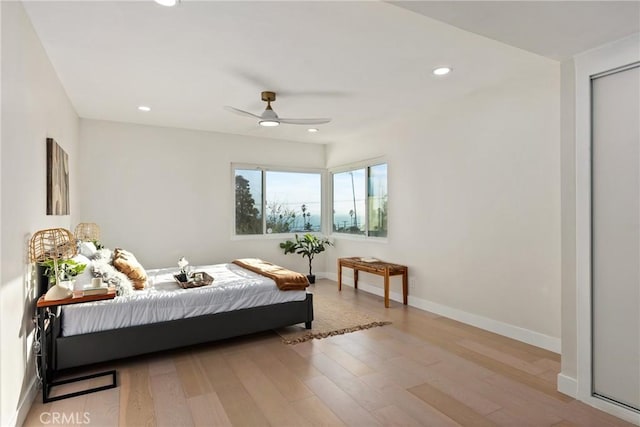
(268, 96)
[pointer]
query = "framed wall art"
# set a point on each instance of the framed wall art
(57, 179)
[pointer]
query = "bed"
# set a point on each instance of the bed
(164, 317)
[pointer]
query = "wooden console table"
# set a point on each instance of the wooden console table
(381, 268)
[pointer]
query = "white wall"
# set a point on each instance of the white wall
(34, 107)
(474, 205)
(165, 193)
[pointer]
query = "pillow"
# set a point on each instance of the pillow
(125, 262)
(87, 249)
(102, 268)
(103, 253)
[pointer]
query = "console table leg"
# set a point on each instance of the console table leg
(405, 286)
(386, 288)
(339, 275)
(355, 278)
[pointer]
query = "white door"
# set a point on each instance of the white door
(616, 236)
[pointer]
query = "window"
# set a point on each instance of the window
(360, 201)
(270, 202)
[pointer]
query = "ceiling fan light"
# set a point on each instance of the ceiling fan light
(269, 123)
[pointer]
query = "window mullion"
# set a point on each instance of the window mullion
(366, 200)
(264, 201)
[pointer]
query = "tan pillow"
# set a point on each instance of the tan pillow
(126, 263)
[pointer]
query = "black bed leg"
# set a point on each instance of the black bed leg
(307, 325)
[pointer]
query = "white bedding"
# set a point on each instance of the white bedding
(233, 288)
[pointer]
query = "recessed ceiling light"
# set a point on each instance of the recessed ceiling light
(144, 108)
(441, 71)
(312, 130)
(168, 3)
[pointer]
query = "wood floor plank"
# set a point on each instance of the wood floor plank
(136, 401)
(300, 366)
(458, 390)
(450, 406)
(266, 395)
(170, 404)
(340, 403)
(316, 412)
(417, 408)
(344, 359)
(238, 404)
(159, 365)
(393, 416)
(207, 410)
(531, 409)
(287, 383)
(502, 357)
(194, 382)
(103, 409)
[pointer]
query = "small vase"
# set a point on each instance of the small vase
(57, 292)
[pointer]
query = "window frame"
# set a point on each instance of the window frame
(271, 168)
(365, 164)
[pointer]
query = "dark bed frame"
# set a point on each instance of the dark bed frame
(104, 346)
(59, 353)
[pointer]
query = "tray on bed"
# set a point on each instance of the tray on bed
(199, 278)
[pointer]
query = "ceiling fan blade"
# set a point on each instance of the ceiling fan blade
(304, 121)
(241, 112)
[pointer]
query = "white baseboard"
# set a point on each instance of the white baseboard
(567, 385)
(25, 404)
(515, 332)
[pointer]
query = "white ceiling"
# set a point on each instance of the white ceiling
(358, 62)
(555, 29)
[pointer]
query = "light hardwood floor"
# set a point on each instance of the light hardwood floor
(421, 370)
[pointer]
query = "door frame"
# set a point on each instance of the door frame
(596, 62)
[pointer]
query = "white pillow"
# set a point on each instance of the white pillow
(87, 249)
(103, 253)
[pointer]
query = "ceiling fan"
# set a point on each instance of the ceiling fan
(270, 118)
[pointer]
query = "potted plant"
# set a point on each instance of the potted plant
(308, 246)
(61, 275)
(68, 269)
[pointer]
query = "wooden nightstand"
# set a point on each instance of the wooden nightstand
(43, 313)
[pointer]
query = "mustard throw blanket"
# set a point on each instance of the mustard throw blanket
(286, 280)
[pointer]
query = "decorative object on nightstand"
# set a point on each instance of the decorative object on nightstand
(55, 246)
(308, 246)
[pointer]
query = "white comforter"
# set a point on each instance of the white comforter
(233, 288)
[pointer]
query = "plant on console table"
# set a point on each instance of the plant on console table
(64, 274)
(308, 246)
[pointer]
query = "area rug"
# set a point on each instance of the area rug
(331, 317)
